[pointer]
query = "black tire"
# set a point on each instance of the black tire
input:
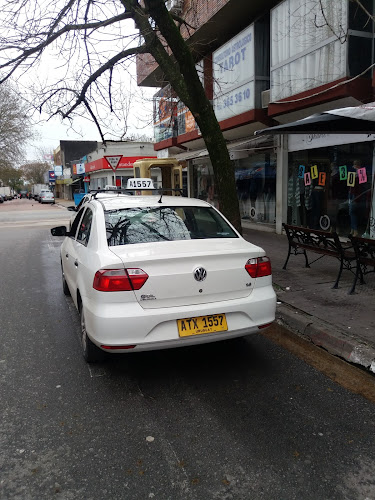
(91, 353)
(64, 284)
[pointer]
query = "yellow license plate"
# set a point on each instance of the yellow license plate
(202, 324)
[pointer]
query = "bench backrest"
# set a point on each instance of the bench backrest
(313, 238)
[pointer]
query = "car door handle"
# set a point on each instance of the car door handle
(76, 263)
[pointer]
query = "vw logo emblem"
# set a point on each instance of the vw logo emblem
(200, 274)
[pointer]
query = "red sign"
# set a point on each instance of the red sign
(126, 162)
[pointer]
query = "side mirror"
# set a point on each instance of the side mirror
(72, 208)
(59, 231)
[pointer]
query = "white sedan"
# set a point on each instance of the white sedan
(151, 272)
(46, 197)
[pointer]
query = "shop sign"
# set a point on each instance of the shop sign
(125, 162)
(233, 71)
(80, 168)
(58, 170)
(299, 142)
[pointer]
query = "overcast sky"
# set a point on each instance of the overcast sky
(60, 67)
(49, 133)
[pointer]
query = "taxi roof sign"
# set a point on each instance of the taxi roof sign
(140, 184)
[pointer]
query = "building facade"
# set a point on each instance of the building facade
(98, 171)
(65, 156)
(264, 63)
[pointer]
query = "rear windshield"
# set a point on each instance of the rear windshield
(150, 224)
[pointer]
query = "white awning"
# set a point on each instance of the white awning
(243, 144)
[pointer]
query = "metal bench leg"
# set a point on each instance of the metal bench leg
(362, 281)
(336, 285)
(357, 272)
(289, 252)
(306, 260)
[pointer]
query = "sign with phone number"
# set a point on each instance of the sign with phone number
(235, 102)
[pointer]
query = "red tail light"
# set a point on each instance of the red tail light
(258, 267)
(117, 347)
(119, 280)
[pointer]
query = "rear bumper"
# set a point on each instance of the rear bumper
(150, 329)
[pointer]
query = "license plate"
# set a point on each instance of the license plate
(201, 325)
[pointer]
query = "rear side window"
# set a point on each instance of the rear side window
(150, 224)
(84, 230)
(75, 223)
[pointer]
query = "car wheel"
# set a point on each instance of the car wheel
(90, 351)
(64, 283)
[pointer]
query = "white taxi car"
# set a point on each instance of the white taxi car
(152, 272)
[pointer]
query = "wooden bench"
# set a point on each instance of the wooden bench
(324, 243)
(364, 250)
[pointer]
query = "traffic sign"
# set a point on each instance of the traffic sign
(113, 161)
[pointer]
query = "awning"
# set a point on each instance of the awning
(249, 143)
(351, 120)
(64, 181)
(190, 155)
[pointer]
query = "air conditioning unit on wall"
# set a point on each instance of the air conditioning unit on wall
(174, 6)
(266, 98)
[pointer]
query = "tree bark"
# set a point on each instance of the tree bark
(184, 79)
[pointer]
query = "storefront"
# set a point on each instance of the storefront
(331, 183)
(255, 176)
(100, 173)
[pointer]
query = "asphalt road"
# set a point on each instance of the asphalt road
(235, 420)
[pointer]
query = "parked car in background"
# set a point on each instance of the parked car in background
(37, 188)
(152, 272)
(1, 198)
(46, 197)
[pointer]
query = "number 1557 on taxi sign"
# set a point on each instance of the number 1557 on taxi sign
(140, 184)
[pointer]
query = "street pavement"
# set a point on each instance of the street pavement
(307, 304)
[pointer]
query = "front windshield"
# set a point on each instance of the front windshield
(149, 224)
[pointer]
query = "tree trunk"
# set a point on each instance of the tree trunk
(181, 73)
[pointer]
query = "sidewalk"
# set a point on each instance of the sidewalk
(342, 324)
(64, 203)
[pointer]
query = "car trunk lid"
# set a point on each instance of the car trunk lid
(191, 272)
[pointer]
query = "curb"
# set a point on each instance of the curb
(324, 335)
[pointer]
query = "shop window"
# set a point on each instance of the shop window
(331, 189)
(305, 50)
(204, 184)
(256, 188)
